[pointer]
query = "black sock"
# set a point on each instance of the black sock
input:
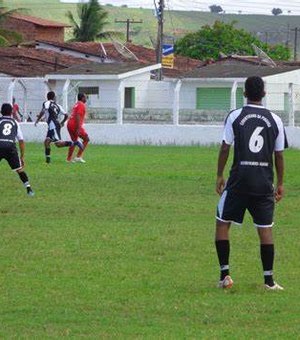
(24, 178)
(47, 154)
(223, 250)
(267, 259)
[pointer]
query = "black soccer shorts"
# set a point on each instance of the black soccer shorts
(232, 207)
(54, 135)
(12, 157)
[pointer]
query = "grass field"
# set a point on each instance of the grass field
(122, 247)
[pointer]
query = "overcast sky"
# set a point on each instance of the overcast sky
(288, 7)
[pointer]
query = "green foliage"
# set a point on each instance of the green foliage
(8, 37)
(210, 41)
(122, 248)
(92, 19)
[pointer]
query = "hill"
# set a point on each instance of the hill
(271, 29)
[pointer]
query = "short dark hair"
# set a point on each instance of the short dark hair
(6, 109)
(50, 95)
(80, 96)
(254, 88)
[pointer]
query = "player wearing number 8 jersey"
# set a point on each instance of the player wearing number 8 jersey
(257, 135)
(10, 131)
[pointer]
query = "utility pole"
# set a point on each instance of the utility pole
(160, 35)
(295, 42)
(128, 22)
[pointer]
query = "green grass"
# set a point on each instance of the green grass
(122, 247)
(177, 23)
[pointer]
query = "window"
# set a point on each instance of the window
(129, 98)
(89, 90)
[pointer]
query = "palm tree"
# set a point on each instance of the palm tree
(92, 19)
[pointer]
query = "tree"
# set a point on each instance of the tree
(210, 41)
(92, 19)
(8, 37)
(215, 9)
(276, 11)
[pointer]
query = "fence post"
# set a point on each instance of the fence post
(176, 102)
(233, 96)
(65, 92)
(10, 91)
(291, 105)
(120, 103)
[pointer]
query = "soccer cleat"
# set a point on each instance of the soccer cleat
(30, 192)
(226, 283)
(79, 144)
(79, 160)
(70, 161)
(276, 286)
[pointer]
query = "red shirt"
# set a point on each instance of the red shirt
(79, 110)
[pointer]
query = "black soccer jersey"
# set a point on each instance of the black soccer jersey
(52, 112)
(9, 132)
(256, 133)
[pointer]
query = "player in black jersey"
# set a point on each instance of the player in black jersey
(53, 112)
(258, 135)
(10, 132)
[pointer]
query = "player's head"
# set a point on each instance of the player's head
(6, 109)
(254, 89)
(81, 97)
(51, 95)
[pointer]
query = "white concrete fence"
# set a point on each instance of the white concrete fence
(140, 134)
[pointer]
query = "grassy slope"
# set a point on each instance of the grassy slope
(175, 20)
(122, 247)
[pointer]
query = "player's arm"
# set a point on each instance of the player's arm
(279, 166)
(22, 151)
(77, 124)
(20, 138)
(222, 160)
(39, 117)
(64, 120)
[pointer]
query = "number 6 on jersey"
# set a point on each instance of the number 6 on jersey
(256, 141)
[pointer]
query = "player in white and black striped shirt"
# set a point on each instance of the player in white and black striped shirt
(257, 135)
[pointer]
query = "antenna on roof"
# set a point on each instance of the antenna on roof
(263, 57)
(122, 49)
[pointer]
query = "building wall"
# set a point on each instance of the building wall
(55, 34)
(30, 31)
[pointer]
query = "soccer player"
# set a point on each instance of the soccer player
(52, 112)
(10, 131)
(258, 135)
(76, 128)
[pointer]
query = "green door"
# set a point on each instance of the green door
(217, 98)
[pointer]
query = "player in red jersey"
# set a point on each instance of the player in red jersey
(76, 129)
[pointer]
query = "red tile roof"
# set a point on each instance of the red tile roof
(29, 62)
(38, 21)
(144, 54)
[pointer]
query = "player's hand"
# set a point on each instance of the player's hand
(279, 192)
(22, 161)
(220, 184)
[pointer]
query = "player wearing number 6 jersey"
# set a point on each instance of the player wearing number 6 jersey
(257, 135)
(10, 132)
